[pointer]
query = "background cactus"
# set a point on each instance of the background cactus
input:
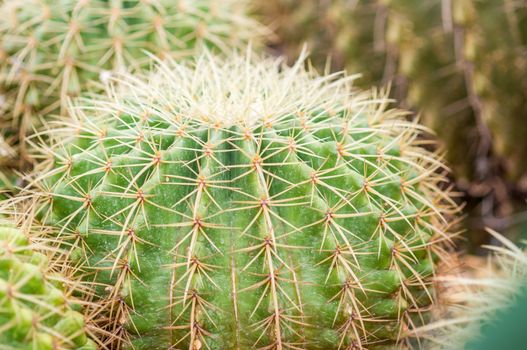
(482, 302)
(51, 50)
(244, 204)
(36, 312)
(459, 63)
(7, 155)
(494, 38)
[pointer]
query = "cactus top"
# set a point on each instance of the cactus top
(243, 204)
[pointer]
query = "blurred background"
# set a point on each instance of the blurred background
(460, 65)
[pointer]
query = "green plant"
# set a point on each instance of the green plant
(241, 203)
(35, 310)
(51, 50)
(505, 329)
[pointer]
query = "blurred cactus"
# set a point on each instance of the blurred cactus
(483, 301)
(493, 37)
(427, 48)
(507, 329)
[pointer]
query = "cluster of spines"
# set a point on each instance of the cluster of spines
(37, 310)
(476, 310)
(253, 225)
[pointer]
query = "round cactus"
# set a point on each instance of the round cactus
(35, 311)
(243, 204)
(50, 50)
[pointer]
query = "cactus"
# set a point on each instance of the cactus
(35, 311)
(401, 43)
(505, 328)
(51, 50)
(241, 203)
(423, 53)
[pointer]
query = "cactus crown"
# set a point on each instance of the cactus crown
(35, 311)
(246, 204)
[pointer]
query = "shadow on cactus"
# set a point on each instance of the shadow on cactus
(241, 203)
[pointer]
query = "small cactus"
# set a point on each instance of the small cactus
(246, 204)
(35, 311)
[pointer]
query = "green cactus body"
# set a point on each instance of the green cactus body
(51, 50)
(239, 204)
(35, 312)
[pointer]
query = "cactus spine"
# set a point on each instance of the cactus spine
(245, 204)
(35, 311)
